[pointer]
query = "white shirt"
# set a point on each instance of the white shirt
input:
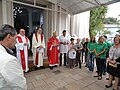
(11, 73)
(63, 48)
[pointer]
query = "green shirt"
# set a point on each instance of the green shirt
(91, 46)
(108, 44)
(99, 48)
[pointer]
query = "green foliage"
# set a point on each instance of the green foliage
(111, 20)
(118, 31)
(97, 17)
(104, 32)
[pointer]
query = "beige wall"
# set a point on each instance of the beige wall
(10, 13)
(1, 13)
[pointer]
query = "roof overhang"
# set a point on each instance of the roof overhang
(78, 6)
(72, 6)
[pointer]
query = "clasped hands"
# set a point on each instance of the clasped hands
(40, 46)
(111, 61)
(54, 44)
(26, 44)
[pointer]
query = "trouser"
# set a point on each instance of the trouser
(64, 58)
(78, 59)
(82, 55)
(91, 62)
(104, 66)
(71, 62)
(86, 58)
(99, 64)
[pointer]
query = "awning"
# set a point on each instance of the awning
(78, 6)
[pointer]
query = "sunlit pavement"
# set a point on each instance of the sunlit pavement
(64, 78)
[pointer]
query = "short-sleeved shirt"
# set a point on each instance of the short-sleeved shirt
(114, 53)
(78, 46)
(63, 48)
(99, 48)
(108, 44)
(91, 46)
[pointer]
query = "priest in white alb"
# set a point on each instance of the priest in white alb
(38, 45)
(22, 47)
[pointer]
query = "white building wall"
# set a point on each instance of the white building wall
(81, 25)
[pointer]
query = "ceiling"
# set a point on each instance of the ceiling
(77, 6)
(74, 6)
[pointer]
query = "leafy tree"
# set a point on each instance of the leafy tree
(118, 31)
(97, 17)
(110, 20)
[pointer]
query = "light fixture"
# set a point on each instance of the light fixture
(17, 10)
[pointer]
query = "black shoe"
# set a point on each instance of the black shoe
(51, 67)
(80, 67)
(55, 66)
(76, 65)
(42, 67)
(107, 78)
(86, 65)
(60, 64)
(104, 73)
(36, 68)
(108, 86)
(65, 65)
(96, 76)
(99, 78)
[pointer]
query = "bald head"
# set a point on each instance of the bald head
(22, 32)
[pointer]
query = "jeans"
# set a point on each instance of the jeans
(91, 62)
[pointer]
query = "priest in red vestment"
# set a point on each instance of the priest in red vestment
(22, 46)
(53, 50)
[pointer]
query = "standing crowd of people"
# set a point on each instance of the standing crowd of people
(106, 55)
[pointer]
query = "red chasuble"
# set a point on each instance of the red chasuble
(22, 53)
(52, 51)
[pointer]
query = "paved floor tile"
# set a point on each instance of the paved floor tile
(30, 86)
(50, 86)
(40, 76)
(60, 83)
(64, 78)
(49, 80)
(68, 80)
(72, 86)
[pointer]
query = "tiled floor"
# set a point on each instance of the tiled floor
(63, 78)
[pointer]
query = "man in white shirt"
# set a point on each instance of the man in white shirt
(11, 73)
(64, 41)
(22, 46)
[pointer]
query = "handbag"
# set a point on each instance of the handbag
(72, 54)
(113, 65)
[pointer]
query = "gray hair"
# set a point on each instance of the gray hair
(5, 30)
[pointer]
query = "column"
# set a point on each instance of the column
(60, 21)
(4, 11)
(1, 19)
(45, 28)
(71, 24)
(55, 17)
(30, 21)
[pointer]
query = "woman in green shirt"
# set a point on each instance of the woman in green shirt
(91, 50)
(100, 53)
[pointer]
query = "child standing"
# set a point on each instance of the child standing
(71, 53)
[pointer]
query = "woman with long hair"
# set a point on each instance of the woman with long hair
(91, 49)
